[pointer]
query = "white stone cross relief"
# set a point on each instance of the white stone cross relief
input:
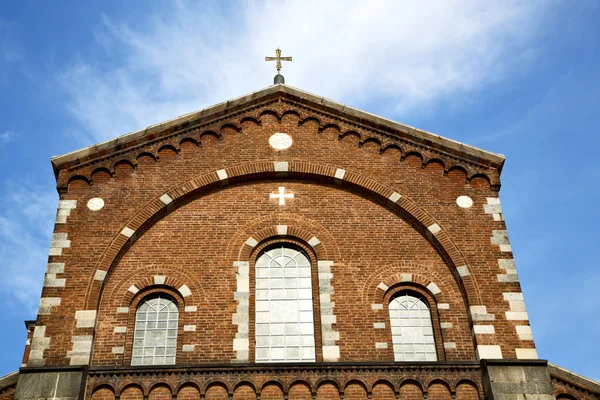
(281, 196)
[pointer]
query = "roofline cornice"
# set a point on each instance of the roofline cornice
(321, 104)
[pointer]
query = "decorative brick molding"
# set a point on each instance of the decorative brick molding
(244, 241)
(342, 378)
(343, 123)
(571, 385)
(142, 285)
(378, 293)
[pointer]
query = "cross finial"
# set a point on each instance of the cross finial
(278, 58)
(278, 78)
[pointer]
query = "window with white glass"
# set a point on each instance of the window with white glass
(412, 330)
(284, 306)
(155, 334)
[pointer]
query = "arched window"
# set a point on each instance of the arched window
(284, 309)
(155, 335)
(412, 331)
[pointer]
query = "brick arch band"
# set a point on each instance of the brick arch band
(243, 243)
(183, 193)
(435, 288)
(202, 382)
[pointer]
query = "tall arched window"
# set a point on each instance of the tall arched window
(284, 309)
(155, 335)
(412, 331)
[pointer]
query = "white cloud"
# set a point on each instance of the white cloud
(401, 55)
(25, 231)
(6, 136)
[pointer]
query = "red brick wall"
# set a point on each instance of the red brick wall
(244, 392)
(369, 239)
(411, 391)
(160, 393)
(466, 391)
(190, 245)
(327, 392)
(103, 393)
(189, 393)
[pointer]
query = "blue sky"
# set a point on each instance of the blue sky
(517, 78)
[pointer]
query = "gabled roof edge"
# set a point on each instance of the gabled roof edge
(421, 135)
(574, 377)
(9, 379)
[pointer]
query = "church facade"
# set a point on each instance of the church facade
(282, 246)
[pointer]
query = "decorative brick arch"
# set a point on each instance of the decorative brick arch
(256, 235)
(317, 237)
(439, 294)
(179, 280)
(302, 382)
(437, 288)
(180, 194)
(382, 381)
(215, 381)
(127, 297)
(339, 377)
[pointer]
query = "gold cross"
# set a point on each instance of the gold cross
(278, 58)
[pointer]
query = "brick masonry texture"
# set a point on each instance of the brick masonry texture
(188, 213)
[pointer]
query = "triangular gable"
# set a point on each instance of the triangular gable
(327, 113)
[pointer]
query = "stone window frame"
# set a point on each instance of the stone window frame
(431, 302)
(137, 300)
(310, 253)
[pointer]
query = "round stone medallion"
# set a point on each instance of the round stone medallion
(464, 201)
(95, 204)
(280, 141)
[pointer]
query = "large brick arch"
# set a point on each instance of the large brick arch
(182, 193)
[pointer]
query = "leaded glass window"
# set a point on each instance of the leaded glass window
(284, 306)
(412, 331)
(155, 335)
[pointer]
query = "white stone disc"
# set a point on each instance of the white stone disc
(464, 201)
(280, 141)
(95, 204)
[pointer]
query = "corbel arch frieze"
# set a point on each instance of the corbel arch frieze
(220, 127)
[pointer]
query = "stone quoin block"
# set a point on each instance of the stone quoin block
(281, 166)
(166, 199)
